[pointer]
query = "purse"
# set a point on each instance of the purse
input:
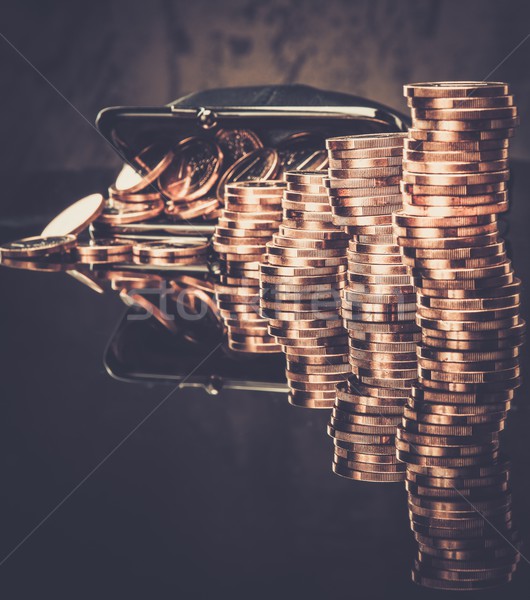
(295, 121)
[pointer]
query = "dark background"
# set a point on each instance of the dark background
(212, 497)
(134, 52)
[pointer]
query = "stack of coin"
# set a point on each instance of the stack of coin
(378, 307)
(454, 184)
(252, 214)
(301, 278)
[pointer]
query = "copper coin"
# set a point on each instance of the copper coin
(365, 201)
(368, 153)
(464, 114)
(297, 149)
(55, 263)
(401, 219)
(446, 210)
(365, 141)
(468, 202)
(464, 252)
(269, 348)
(204, 159)
(255, 191)
(262, 163)
(364, 163)
(342, 173)
(453, 419)
(452, 452)
(308, 262)
(144, 168)
(431, 135)
(367, 468)
(76, 217)
(467, 126)
(142, 197)
(102, 248)
(176, 179)
(339, 192)
(446, 233)
(335, 240)
(169, 249)
(362, 476)
(452, 89)
(497, 287)
(360, 182)
(470, 303)
(455, 146)
(236, 143)
(132, 214)
(439, 167)
(463, 102)
(363, 211)
(178, 212)
(308, 189)
(365, 457)
(429, 156)
(37, 246)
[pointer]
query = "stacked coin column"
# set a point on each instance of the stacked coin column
(378, 307)
(252, 214)
(455, 174)
(301, 279)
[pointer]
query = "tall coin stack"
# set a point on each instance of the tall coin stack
(455, 174)
(301, 279)
(252, 214)
(378, 307)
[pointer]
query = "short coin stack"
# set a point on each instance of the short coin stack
(454, 185)
(252, 214)
(378, 307)
(301, 279)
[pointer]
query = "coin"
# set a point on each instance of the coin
(133, 213)
(169, 251)
(262, 163)
(361, 182)
(175, 181)
(462, 102)
(236, 143)
(468, 126)
(367, 141)
(460, 113)
(102, 250)
(144, 168)
(76, 217)
(368, 172)
(364, 163)
(443, 209)
(344, 471)
(456, 89)
(431, 135)
(429, 156)
(37, 246)
(439, 167)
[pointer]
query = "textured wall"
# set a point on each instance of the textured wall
(130, 52)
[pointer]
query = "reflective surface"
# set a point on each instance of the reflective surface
(195, 496)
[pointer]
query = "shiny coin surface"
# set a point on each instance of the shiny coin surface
(76, 217)
(37, 246)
